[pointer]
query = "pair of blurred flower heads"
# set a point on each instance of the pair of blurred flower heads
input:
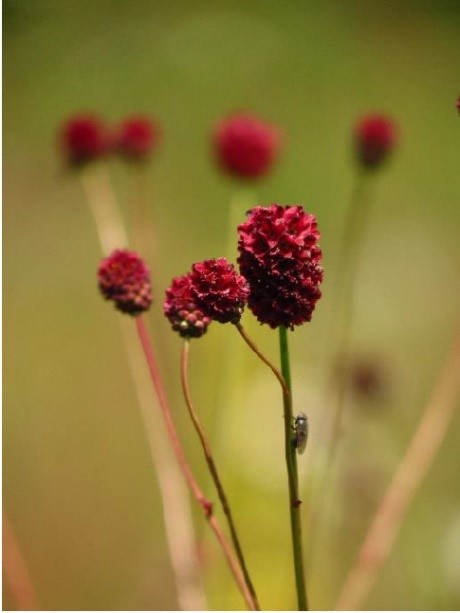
(279, 256)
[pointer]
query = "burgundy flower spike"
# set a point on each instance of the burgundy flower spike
(136, 138)
(124, 278)
(375, 138)
(280, 257)
(245, 146)
(83, 139)
(182, 312)
(218, 290)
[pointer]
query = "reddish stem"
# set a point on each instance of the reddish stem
(256, 350)
(16, 571)
(213, 470)
(180, 456)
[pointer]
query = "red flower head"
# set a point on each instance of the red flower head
(181, 310)
(136, 138)
(218, 290)
(375, 138)
(245, 146)
(280, 256)
(83, 138)
(124, 278)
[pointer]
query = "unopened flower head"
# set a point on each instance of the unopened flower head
(375, 138)
(185, 317)
(83, 138)
(124, 278)
(280, 258)
(218, 290)
(245, 146)
(136, 138)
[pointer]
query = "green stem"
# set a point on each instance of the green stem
(291, 462)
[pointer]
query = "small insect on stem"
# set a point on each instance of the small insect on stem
(300, 428)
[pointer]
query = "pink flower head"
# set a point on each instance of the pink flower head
(83, 138)
(280, 257)
(124, 278)
(181, 310)
(375, 138)
(136, 137)
(218, 290)
(245, 146)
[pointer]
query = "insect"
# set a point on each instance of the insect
(300, 432)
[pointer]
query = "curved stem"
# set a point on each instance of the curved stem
(16, 572)
(256, 350)
(412, 469)
(213, 469)
(184, 465)
(177, 515)
(291, 463)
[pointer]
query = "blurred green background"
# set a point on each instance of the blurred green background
(78, 483)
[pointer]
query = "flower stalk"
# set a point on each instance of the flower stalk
(293, 482)
(205, 504)
(414, 466)
(213, 469)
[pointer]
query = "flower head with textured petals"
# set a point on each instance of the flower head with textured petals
(375, 138)
(83, 138)
(136, 138)
(245, 146)
(182, 312)
(124, 278)
(280, 258)
(218, 290)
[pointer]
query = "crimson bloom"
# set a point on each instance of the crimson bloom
(245, 146)
(218, 290)
(280, 258)
(83, 138)
(182, 312)
(124, 278)
(136, 138)
(375, 138)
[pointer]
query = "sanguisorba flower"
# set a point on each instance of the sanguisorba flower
(83, 138)
(124, 278)
(280, 257)
(245, 146)
(375, 138)
(218, 290)
(180, 309)
(136, 138)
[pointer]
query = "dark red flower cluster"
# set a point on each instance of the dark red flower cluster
(124, 278)
(182, 311)
(375, 138)
(136, 138)
(83, 139)
(245, 146)
(218, 290)
(280, 258)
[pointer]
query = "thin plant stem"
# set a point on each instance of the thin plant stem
(256, 350)
(16, 572)
(342, 305)
(293, 482)
(174, 497)
(205, 504)
(213, 469)
(104, 210)
(414, 466)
